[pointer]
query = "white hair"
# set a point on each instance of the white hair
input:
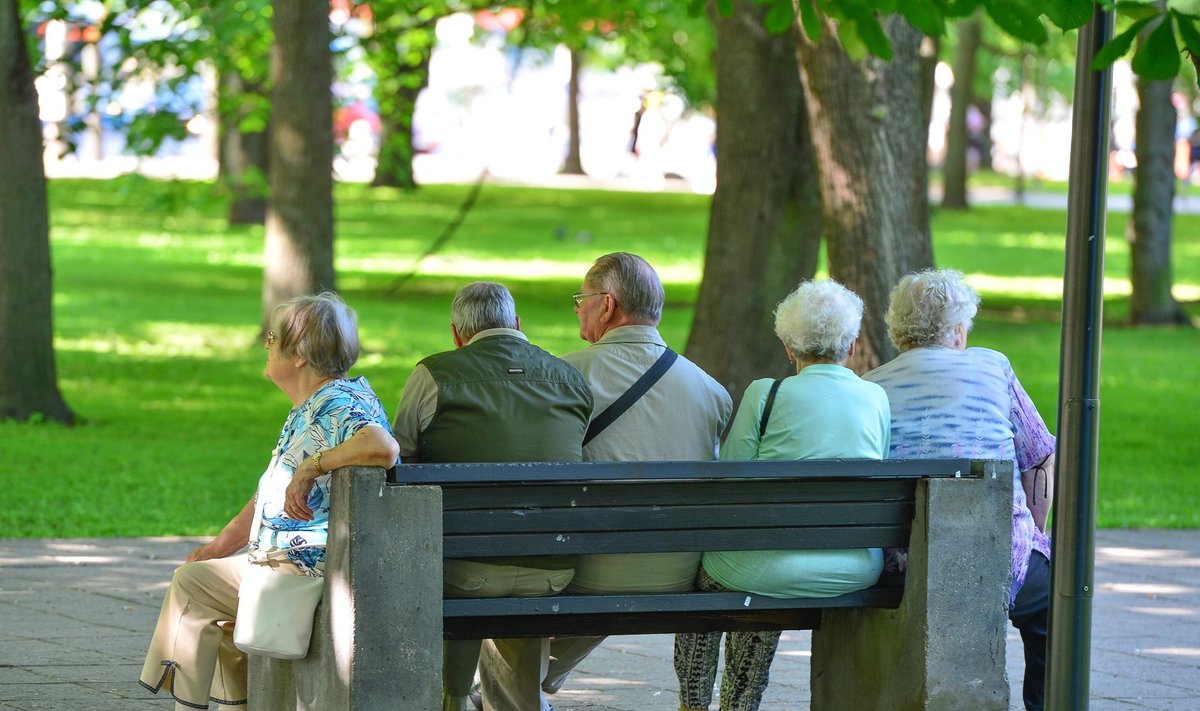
(820, 319)
(926, 308)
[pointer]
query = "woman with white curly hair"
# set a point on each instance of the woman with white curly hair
(950, 401)
(824, 411)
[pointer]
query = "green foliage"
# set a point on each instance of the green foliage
(1158, 57)
(157, 308)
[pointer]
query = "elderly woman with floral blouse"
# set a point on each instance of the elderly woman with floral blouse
(951, 401)
(335, 422)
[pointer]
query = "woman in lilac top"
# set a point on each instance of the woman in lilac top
(950, 401)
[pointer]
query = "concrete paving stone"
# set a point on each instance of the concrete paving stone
(88, 610)
(17, 675)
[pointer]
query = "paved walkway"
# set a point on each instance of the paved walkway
(75, 617)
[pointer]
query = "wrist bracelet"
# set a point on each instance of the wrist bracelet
(316, 458)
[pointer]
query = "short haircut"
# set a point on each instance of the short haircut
(927, 306)
(820, 319)
(634, 284)
(482, 305)
(321, 329)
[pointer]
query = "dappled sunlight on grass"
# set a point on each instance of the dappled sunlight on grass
(167, 340)
(470, 268)
(1052, 287)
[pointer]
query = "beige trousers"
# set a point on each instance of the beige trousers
(192, 653)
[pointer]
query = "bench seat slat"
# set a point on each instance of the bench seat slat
(623, 494)
(572, 543)
(645, 614)
(650, 518)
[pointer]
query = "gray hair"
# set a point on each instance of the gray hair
(820, 319)
(321, 329)
(927, 306)
(482, 305)
(634, 284)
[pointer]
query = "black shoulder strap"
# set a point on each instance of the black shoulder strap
(630, 396)
(762, 424)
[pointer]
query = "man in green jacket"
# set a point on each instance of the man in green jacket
(494, 398)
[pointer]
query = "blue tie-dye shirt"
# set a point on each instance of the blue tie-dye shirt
(330, 416)
(951, 404)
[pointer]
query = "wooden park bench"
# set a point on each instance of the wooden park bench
(933, 641)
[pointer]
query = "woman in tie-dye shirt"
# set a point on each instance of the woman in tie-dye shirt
(335, 422)
(950, 401)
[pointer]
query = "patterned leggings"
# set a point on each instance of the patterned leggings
(748, 657)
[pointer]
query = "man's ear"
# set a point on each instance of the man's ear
(609, 311)
(458, 341)
(518, 323)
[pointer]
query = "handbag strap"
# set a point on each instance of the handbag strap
(762, 423)
(630, 396)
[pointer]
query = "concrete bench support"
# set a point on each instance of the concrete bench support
(377, 638)
(943, 649)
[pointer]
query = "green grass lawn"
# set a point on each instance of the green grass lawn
(157, 307)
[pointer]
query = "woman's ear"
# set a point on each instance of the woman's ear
(960, 337)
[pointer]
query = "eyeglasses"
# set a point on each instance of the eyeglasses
(578, 298)
(270, 338)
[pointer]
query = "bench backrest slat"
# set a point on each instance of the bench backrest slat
(675, 541)
(449, 474)
(502, 496)
(713, 517)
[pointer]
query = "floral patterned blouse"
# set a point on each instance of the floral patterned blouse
(330, 416)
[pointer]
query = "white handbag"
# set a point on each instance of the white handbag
(275, 609)
(275, 612)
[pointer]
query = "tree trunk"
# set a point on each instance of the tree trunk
(1153, 195)
(242, 155)
(954, 171)
(983, 104)
(401, 64)
(574, 163)
(869, 138)
(28, 384)
(299, 244)
(764, 228)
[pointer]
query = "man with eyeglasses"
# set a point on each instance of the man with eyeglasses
(678, 416)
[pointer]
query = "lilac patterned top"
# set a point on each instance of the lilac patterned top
(951, 404)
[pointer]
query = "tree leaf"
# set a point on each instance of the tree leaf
(1158, 57)
(926, 16)
(1136, 10)
(1017, 19)
(1118, 46)
(851, 41)
(696, 7)
(872, 35)
(1071, 14)
(1191, 8)
(780, 17)
(810, 20)
(1189, 34)
(725, 7)
(960, 8)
